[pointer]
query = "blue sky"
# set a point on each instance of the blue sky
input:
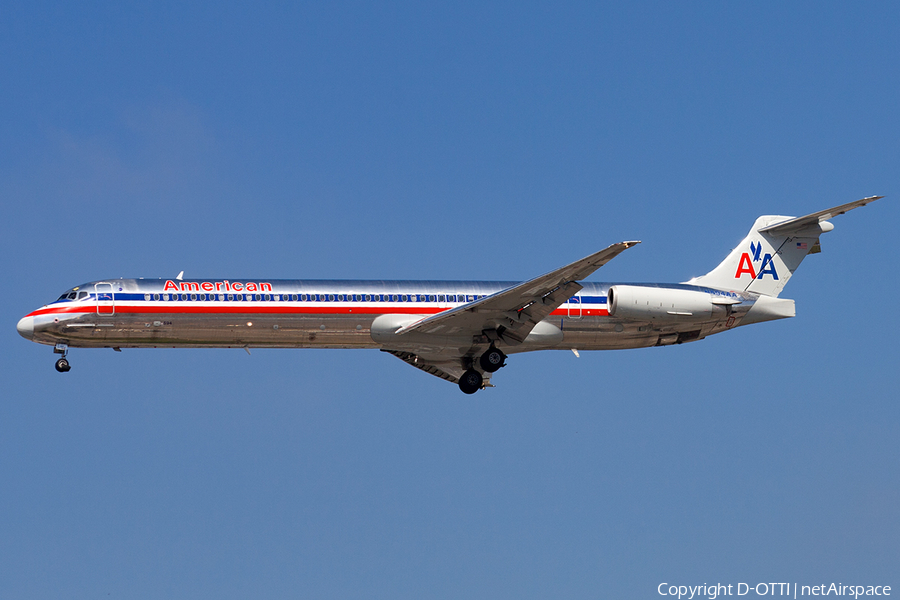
(461, 141)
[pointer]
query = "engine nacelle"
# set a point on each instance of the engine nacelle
(662, 304)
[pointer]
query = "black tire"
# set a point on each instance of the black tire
(492, 360)
(470, 382)
(62, 365)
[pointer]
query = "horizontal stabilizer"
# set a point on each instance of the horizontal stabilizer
(798, 223)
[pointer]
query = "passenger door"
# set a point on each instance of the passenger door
(106, 299)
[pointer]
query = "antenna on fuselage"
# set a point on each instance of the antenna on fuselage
(180, 276)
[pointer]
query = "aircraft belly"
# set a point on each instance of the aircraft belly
(228, 330)
(606, 333)
(293, 330)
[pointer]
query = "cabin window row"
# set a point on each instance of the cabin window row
(301, 297)
(316, 297)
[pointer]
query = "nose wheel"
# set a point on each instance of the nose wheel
(62, 365)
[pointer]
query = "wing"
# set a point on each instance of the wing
(448, 370)
(511, 314)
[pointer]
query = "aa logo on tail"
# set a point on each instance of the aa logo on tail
(749, 259)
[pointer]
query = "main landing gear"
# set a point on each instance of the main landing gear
(62, 365)
(470, 382)
(491, 361)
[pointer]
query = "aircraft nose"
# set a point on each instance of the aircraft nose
(25, 327)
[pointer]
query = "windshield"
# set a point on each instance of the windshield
(73, 296)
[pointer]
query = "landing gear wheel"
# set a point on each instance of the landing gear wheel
(492, 360)
(470, 382)
(62, 365)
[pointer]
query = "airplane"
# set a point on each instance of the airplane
(460, 331)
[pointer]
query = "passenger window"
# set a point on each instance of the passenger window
(194, 297)
(441, 298)
(146, 296)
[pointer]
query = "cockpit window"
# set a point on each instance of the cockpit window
(71, 296)
(82, 295)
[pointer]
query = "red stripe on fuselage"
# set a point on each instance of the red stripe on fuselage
(271, 310)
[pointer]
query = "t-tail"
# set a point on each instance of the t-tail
(767, 258)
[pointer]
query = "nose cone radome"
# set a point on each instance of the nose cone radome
(25, 327)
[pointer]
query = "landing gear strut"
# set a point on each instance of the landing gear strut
(62, 365)
(470, 382)
(492, 360)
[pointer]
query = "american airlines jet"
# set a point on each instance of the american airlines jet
(461, 331)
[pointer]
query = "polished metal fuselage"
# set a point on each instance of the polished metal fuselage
(133, 313)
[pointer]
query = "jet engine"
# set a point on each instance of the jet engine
(665, 304)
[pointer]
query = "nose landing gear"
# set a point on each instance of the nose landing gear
(62, 365)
